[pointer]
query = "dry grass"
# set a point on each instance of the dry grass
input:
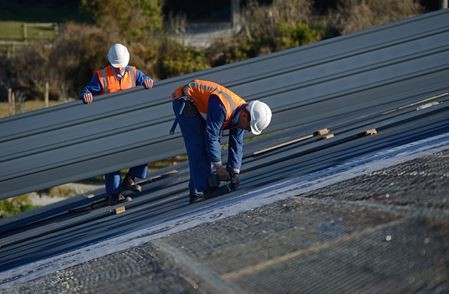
(26, 106)
(15, 31)
(357, 15)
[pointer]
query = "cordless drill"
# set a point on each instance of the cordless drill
(214, 184)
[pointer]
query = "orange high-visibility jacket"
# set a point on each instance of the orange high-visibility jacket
(199, 92)
(111, 84)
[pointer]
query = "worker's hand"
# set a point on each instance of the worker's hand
(148, 83)
(88, 98)
(222, 173)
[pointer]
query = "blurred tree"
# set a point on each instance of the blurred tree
(267, 26)
(176, 59)
(357, 15)
(295, 34)
(266, 29)
(75, 54)
(26, 71)
(133, 19)
(67, 64)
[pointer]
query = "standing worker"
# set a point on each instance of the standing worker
(203, 109)
(116, 77)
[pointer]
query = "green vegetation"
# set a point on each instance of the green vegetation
(59, 191)
(68, 60)
(177, 59)
(295, 34)
(41, 21)
(132, 19)
(14, 205)
(11, 30)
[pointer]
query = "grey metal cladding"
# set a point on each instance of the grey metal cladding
(329, 80)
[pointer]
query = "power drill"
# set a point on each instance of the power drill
(214, 184)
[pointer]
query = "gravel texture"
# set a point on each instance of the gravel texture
(383, 232)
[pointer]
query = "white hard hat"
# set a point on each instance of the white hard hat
(260, 116)
(118, 55)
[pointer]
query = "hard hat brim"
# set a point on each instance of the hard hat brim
(250, 109)
(254, 131)
(117, 65)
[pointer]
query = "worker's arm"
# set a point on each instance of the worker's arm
(235, 150)
(93, 88)
(216, 117)
(143, 80)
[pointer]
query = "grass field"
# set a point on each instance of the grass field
(26, 107)
(20, 31)
(41, 18)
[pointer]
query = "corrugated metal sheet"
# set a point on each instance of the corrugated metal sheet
(331, 82)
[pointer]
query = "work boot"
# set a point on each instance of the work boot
(128, 183)
(197, 197)
(217, 191)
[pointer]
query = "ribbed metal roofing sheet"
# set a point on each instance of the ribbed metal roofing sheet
(334, 80)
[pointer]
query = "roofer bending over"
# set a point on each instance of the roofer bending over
(116, 77)
(203, 109)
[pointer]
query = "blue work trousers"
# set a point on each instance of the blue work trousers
(113, 179)
(193, 131)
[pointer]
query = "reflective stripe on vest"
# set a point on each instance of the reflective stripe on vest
(229, 99)
(211, 88)
(105, 81)
(132, 76)
(194, 84)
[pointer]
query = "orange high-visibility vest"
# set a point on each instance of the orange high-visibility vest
(111, 84)
(199, 92)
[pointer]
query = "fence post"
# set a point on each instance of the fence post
(25, 32)
(443, 4)
(46, 96)
(11, 102)
(235, 14)
(56, 28)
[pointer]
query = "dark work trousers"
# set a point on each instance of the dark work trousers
(193, 127)
(113, 179)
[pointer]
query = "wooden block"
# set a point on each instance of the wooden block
(328, 136)
(321, 132)
(371, 132)
(120, 209)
